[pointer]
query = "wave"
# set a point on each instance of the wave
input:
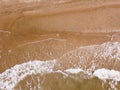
(12, 76)
(106, 55)
(95, 61)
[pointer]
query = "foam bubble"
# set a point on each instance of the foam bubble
(105, 74)
(74, 71)
(12, 76)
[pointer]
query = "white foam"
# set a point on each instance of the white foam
(12, 76)
(63, 73)
(105, 74)
(74, 71)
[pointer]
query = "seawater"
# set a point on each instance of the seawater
(71, 71)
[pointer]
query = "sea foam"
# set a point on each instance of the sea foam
(14, 75)
(105, 74)
(11, 77)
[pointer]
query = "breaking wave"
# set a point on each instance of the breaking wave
(101, 61)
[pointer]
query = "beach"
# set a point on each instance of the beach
(59, 45)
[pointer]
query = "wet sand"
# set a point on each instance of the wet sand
(71, 24)
(73, 15)
(45, 46)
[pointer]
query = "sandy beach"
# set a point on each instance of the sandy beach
(76, 33)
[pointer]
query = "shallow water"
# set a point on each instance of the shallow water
(61, 82)
(81, 67)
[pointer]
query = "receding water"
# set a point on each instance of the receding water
(58, 81)
(88, 67)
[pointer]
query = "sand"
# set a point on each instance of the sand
(47, 30)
